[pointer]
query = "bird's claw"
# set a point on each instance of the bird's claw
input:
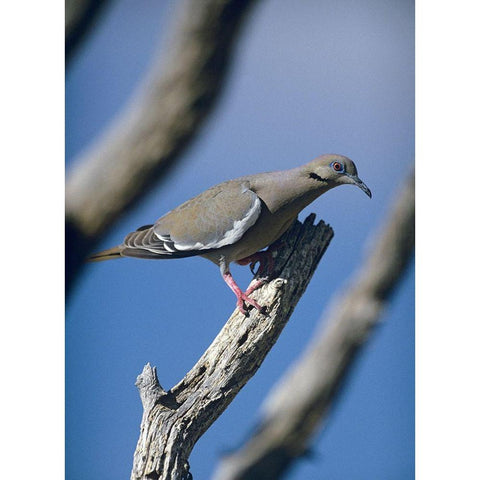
(244, 301)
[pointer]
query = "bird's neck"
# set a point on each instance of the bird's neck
(298, 202)
(290, 199)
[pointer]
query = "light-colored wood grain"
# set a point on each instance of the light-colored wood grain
(295, 409)
(174, 420)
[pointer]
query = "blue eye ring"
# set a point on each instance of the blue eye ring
(337, 167)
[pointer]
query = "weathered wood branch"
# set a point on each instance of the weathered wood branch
(296, 407)
(173, 421)
(157, 125)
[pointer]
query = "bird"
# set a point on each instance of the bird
(236, 220)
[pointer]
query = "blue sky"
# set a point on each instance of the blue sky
(308, 78)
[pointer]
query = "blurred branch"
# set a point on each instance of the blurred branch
(158, 124)
(298, 404)
(174, 420)
(79, 18)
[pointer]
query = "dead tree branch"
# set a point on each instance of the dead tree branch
(174, 420)
(155, 128)
(297, 406)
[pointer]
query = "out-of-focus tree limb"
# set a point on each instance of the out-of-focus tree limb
(156, 126)
(79, 18)
(296, 407)
(173, 421)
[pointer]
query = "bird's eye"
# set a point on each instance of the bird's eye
(337, 166)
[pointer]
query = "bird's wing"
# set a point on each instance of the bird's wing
(217, 217)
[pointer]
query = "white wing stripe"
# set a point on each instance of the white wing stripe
(167, 247)
(232, 235)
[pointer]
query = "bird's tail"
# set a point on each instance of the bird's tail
(109, 254)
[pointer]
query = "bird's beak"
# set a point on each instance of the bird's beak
(356, 181)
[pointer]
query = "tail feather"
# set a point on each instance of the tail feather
(109, 254)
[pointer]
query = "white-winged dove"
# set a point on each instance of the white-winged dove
(234, 220)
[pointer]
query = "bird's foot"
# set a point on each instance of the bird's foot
(243, 300)
(257, 283)
(265, 263)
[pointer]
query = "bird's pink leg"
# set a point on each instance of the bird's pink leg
(256, 284)
(265, 260)
(266, 266)
(242, 297)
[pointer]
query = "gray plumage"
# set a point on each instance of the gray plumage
(236, 219)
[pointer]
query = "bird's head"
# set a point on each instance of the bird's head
(332, 170)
